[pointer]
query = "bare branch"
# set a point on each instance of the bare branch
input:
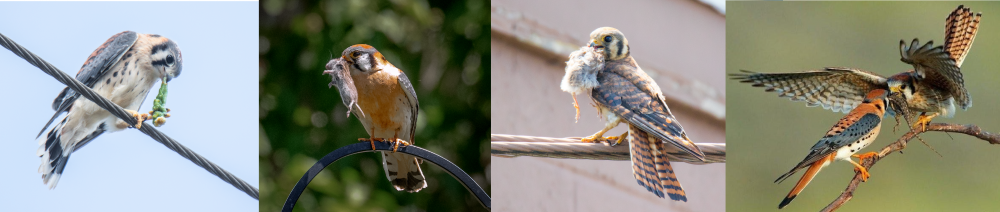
(968, 129)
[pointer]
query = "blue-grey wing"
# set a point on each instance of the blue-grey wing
(97, 65)
(411, 95)
(831, 143)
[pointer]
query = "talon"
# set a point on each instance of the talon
(864, 173)
(618, 139)
(863, 157)
(139, 117)
(594, 139)
(923, 121)
(861, 169)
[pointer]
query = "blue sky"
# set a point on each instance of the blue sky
(213, 102)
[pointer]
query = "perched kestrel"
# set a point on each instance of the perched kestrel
(855, 131)
(385, 103)
(623, 92)
(933, 87)
(123, 70)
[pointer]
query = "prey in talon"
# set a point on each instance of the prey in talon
(382, 98)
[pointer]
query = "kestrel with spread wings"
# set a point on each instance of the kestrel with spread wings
(934, 87)
(855, 131)
(123, 70)
(386, 103)
(623, 93)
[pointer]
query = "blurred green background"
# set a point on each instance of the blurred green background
(443, 46)
(769, 135)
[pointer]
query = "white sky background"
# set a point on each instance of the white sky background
(213, 102)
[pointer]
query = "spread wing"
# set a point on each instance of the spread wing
(836, 89)
(834, 139)
(935, 67)
(341, 78)
(959, 32)
(635, 97)
(411, 95)
(96, 66)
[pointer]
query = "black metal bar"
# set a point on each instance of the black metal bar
(362, 147)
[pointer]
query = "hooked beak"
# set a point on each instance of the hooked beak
(167, 74)
(593, 44)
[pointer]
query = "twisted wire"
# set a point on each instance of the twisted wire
(127, 117)
(571, 148)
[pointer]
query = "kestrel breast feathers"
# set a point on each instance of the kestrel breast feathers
(606, 71)
(123, 70)
(382, 98)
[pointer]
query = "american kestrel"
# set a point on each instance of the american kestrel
(623, 92)
(855, 131)
(123, 70)
(934, 87)
(386, 104)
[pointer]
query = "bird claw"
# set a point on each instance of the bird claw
(397, 142)
(864, 173)
(618, 139)
(139, 117)
(863, 157)
(923, 121)
(372, 141)
(610, 140)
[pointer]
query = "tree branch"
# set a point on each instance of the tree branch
(967, 129)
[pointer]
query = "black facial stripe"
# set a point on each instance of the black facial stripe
(371, 61)
(160, 47)
(356, 66)
(154, 35)
(159, 62)
(620, 47)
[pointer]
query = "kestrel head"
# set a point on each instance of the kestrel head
(165, 57)
(363, 59)
(610, 41)
(903, 83)
(878, 97)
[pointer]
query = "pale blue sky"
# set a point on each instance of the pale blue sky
(213, 102)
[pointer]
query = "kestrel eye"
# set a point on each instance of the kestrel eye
(170, 59)
(607, 38)
(355, 54)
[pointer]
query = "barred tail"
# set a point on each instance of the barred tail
(53, 155)
(666, 175)
(403, 171)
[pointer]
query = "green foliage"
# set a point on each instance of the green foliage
(442, 46)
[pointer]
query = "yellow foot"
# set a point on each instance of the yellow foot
(864, 173)
(618, 139)
(372, 141)
(923, 121)
(397, 142)
(864, 156)
(861, 169)
(139, 117)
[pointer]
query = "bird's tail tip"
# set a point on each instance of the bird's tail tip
(786, 201)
